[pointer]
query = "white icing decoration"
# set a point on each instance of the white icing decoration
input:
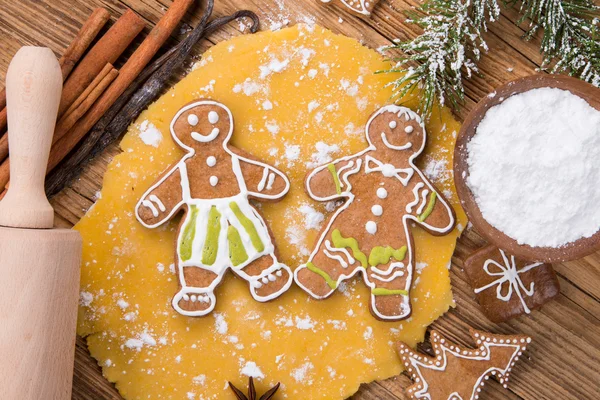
(409, 129)
(159, 203)
(424, 194)
(203, 206)
(263, 180)
(211, 161)
(208, 138)
(388, 170)
(413, 203)
(393, 276)
(271, 180)
(192, 119)
(358, 6)
(332, 249)
(339, 172)
(213, 117)
(382, 193)
(511, 275)
(377, 210)
(393, 124)
(213, 180)
(406, 146)
(148, 204)
(337, 257)
(371, 227)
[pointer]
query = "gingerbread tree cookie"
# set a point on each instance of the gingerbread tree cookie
(358, 7)
(506, 286)
(385, 195)
(456, 373)
(220, 229)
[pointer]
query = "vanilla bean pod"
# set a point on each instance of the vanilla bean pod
(134, 100)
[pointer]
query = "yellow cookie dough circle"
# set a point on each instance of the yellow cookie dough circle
(300, 97)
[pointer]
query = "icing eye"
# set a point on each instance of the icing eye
(409, 129)
(393, 124)
(192, 119)
(213, 117)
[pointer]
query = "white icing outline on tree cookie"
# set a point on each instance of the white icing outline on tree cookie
(349, 196)
(207, 293)
(485, 342)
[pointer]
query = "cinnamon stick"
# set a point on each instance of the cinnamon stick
(110, 127)
(82, 41)
(85, 101)
(105, 51)
(103, 73)
(73, 53)
(136, 63)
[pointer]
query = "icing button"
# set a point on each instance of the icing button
(211, 161)
(377, 210)
(382, 193)
(213, 180)
(371, 227)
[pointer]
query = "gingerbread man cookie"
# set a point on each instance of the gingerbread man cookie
(385, 195)
(358, 7)
(506, 286)
(457, 373)
(220, 229)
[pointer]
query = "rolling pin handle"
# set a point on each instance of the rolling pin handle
(33, 90)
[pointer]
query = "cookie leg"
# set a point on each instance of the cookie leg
(321, 275)
(390, 288)
(196, 296)
(267, 277)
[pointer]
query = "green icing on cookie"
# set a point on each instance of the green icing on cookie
(341, 242)
(381, 255)
(388, 292)
(248, 226)
(237, 252)
(330, 282)
(187, 237)
(336, 180)
(211, 243)
(429, 208)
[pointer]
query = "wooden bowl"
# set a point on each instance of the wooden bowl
(571, 251)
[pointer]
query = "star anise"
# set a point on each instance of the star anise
(252, 392)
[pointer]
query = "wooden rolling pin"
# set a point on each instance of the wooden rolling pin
(39, 266)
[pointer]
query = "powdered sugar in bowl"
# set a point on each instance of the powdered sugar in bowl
(527, 168)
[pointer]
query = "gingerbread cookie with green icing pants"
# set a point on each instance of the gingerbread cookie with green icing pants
(219, 229)
(385, 195)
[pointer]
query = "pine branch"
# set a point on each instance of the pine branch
(437, 62)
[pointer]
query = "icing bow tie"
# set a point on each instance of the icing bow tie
(388, 170)
(509, 280)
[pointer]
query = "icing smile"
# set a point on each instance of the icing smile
(205, 138)
(391, 146)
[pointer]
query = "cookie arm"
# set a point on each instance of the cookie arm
(329, 181)
(161, 200)
(262, 180)
(430, 209)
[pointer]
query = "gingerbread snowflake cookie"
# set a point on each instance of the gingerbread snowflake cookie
(384, 195)
(358, 7)
(506, 286)
(457, 373)
(220, 229)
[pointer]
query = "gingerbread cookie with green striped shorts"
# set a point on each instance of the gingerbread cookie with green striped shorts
(219, 229)
(383, 196)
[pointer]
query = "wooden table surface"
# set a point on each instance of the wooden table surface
(563, 362)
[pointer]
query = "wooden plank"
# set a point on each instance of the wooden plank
(562, 361)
